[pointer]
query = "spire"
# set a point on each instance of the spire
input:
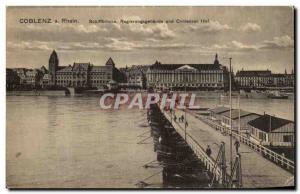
(216, 62)
(53, 54)
(285, 71)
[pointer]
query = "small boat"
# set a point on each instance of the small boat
(277, 95)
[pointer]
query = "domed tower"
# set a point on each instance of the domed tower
(53, 66)
(216, 62)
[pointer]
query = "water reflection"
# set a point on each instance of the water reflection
(70, 142)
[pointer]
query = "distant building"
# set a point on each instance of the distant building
(239, 118)
(30, 77)
(135, 76)
(82, 74)
(46, 81)
(263, 78)
(100, 76)
(192, 76)
(21, 72)
(12, 79)
(272, 131)
(76, 75)
(44, 70)
(33, 77)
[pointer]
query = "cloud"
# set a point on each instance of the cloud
(89, 29)
(240, 46)
(250, 27)
(211, 27)
(120, 45)
(124, 44)
(108, 44)
(31, 45)
(49, 46)
(283, 42)
(60, 28)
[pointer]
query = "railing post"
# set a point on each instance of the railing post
(223, 165)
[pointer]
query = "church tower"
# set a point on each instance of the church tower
(53, 66)
(216, 62)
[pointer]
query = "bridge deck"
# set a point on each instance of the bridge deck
(257, 172)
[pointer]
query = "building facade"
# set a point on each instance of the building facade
(135, 76)
(192, 76)
(75, 75)
(264, 78)
(21, 73)
(12, 79)
(28, 77)
(33, 77)
(81, 74)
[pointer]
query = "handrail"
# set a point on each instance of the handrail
(199, 151)
(253, 145)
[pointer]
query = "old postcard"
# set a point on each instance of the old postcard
(150, 97)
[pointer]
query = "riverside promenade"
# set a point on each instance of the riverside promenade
(257, 171)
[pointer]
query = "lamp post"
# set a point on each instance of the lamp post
(230, 95)
(230, 112)
(185, 122)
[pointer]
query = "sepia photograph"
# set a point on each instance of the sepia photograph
(150, 97)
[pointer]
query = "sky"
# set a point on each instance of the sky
(256, 38)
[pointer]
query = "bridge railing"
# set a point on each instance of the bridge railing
(210, 163)
(267, 153)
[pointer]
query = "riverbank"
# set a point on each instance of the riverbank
(37, 93)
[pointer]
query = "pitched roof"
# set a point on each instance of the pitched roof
(66, 69)
(61, 67)
(263, 123)
(235, 114)
(259, 73)
(279, 75)
(44, 70)
(99, 68)
(110, 62)
(81, 66)
(219, 109)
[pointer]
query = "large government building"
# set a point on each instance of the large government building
(192, 76)
(81, 74)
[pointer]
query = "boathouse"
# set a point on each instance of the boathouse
(272, 131)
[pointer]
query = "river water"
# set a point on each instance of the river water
(65, 142)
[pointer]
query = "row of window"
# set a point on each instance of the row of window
(92, 81)
(189, 85)
(184, 72)
(99, 81)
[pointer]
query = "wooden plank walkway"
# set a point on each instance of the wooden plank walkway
(257, 172)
